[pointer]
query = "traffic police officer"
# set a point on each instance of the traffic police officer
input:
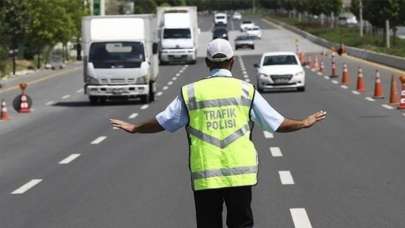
(218, 112)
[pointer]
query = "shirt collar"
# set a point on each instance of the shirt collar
(220, 72)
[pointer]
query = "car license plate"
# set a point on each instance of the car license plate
(117, 90)
(281, 81)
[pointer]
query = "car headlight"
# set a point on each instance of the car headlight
(299, 74)
(262, 75)
(91, 80)
(141, 80)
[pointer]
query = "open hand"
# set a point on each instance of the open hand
(314, 118)
(128, 127)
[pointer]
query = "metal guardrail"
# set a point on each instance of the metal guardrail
(385, 59)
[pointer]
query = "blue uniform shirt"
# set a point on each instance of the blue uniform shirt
(175, 115)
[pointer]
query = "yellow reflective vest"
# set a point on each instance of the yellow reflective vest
(219, 129)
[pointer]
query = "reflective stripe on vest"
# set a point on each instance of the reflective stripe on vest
(224, 172)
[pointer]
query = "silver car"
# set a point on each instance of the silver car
(245, 41)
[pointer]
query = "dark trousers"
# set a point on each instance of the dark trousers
(208, 204)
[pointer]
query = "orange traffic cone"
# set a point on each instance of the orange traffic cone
(345, 75)
(361, 85)
(394, 96)
(3, 112)
(301, 57)
(310, 63)
(24, 106)
(333, 69)
(378, 88)
(321, 67)
(402, 100)
(316, 63)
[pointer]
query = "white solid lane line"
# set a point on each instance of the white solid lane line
(98, 140)
(27, 186)
(66, 96)
(133, 116)
(369, 99)
(159, 94)
(268, 135)
(143, 107)
(286, 177)
(355, 92)
(49, 103)
(387, 106)
(69, 159)
(165, 87)
(79, 91)
(276, 152)
(300, 218)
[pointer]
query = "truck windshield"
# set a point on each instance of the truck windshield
(176, 34)
(117, 54)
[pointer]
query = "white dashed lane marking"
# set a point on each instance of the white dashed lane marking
(79, 91)
(268, 135)
(27, 186)
(276, 152)
(300, 218)
(327, 77)
(143, 107)
(387, 106)
(69, 159)
(356, 92)
(344, 87)
(286, 177)
(98, 140)
(369, 99)
(133, 116)
(159, 94)
(66, 96)
(170, 83)
(49, 103)
(165, 87)
(335, 82)
(174, 78)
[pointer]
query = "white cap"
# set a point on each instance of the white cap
(219, 47)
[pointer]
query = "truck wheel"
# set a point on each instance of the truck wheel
(145, 99)
(192, 62)
(93, 100)
(151, 92)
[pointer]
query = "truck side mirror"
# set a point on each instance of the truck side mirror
(155, 48)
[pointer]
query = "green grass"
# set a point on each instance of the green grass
(349, 36)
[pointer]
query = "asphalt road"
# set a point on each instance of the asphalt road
(63, 165)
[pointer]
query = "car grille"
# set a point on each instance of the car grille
(117, 81)
(277, 77)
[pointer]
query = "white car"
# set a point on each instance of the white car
(237, 16)
(220, 18)
(280, 70)
(246, 24)
(254, 31)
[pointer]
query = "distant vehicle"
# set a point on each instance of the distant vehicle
(237, 16)
(55, 62)
(347, 19)
(220, 33)
(254, 31)
(120, 57)
(220, 25)
(246, 24)
(178, 33)
(280, 70)
(244, 41)
(220, 18)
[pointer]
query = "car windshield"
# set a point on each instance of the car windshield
(280, 60)
(220, 17)
(117, 54)
(246, 22)
(177, 34)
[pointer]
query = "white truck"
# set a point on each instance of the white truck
(120, 57)
(178, 33)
